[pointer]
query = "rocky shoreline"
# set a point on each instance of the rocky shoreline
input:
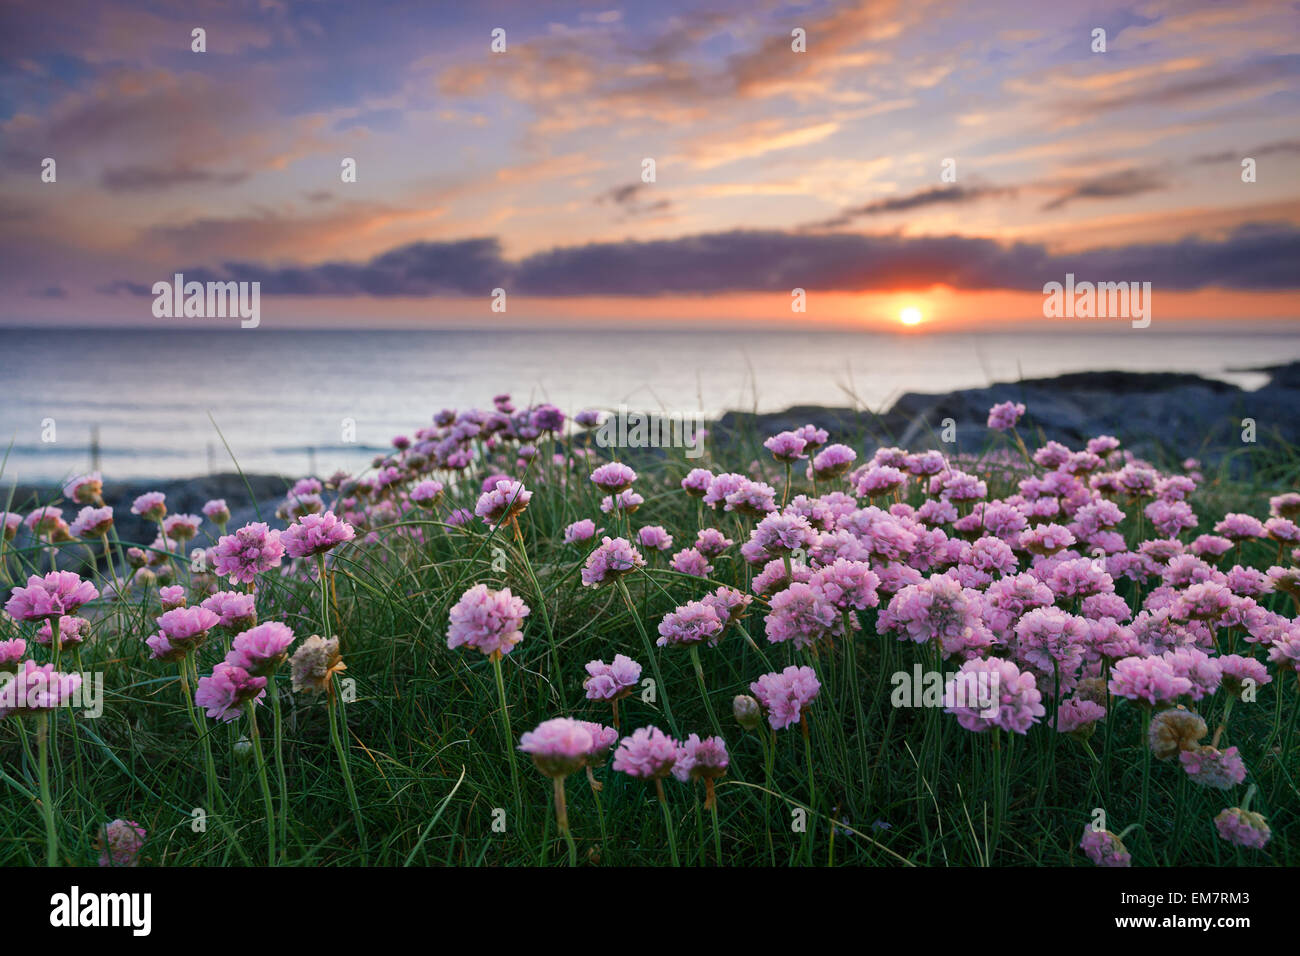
(1149, 412)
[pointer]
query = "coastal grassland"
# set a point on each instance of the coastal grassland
(878, 784)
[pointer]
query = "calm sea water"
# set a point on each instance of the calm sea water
(279, 397)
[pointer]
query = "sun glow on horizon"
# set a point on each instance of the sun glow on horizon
(910, 316)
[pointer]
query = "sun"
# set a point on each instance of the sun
(910, 316)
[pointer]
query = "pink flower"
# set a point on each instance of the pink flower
(1237, 670)
(697, 482)
(490, 621)
(1005, 415)
(831, 462)
(36, 688)
(1011, 695)
(92, 522)
(786, 446)
(427, 493)
(558, 747)
(628, 501)
(120, 843)
(237, 610)
(583, 530)
(648, 754)
(653, 536)
(611, 681)
(938, 609)
(692, 623)
(70, 632)
(248, 552)
(1240, 527)
(846, 585)
(260, 650)
(786, 694)
(181, 527)
(172, 596)
(880, 480)
(1077, 715)
(701, 759)
(1243, 828)
(152, 506)
(1209, 767)
(315, 534)
(227, 690)
(801, 615)
(11, 653)
(506, 500)
(691, 561)
(1104, 848)
(1149, 679)
(711, 542)
(613, 477)
(56, 594)
(217, 511)
(612, 559)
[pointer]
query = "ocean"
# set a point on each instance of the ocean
(280, 398)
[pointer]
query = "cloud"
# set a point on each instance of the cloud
(146, 178)
(1117, 185)
(1285, 147)
(934, 196)
(1257, 256)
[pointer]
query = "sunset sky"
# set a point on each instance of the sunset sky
(522, 170)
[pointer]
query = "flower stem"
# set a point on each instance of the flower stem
(347, 771)
(47, 804)
(650, 653)
(668, 819)
(509, 738)
(256, 737)
(562, 819)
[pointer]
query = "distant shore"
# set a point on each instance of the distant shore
(1149, 412)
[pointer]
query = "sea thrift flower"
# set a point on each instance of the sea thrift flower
(92, 522)
(11, 654)
(1046, 539)
(490, 621)
(711, 542)
(701, 759)
(1148, 679)
(831, 462)
(238, 611)
(583, 530)
(612, 681)
(248, 552)
(610, 560)
(427, 493)
(120, 843)
(1005, 415)
(692, 623)
(655, 537)
(786, 446)
(70, 632)
(1018, 705)
(697, 482)
(753, 498)
(846, 585)
(86, 489)
(314, 534)
(648, 754)
(938, 609)
(1237, 670)
(181, 527)
(690, 561)
(728, 603)
(56, 594)
(152, 506)
(1209, 767)
(505, 501)
(1243, 828)
(227, 690)
(1173, 731)
(260, 650)
(315, 663)
(880, 480)
(1104, 848)
(613, 477)
(558, 747)
(786, 694)
(171, 597)
(1239, 527)
(217, 511)
(800, 615)
(1078, 716)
